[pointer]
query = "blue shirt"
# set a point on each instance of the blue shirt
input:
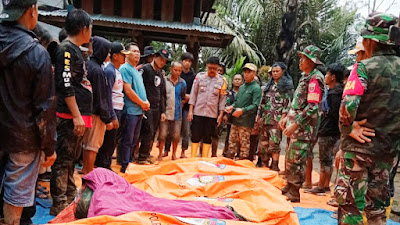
(131, 76)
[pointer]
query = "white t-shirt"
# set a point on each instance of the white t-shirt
(117, 95)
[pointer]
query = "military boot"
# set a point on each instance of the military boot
(292, 193)
(274, 165)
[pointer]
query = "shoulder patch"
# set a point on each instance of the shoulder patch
(314, 91)
(353, 85)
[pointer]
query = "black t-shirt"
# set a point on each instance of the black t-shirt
(189, 78)
(154, 83)
(71, 79)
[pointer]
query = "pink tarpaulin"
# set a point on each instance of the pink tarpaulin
(114, 196)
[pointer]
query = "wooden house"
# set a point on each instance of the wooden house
(174, 21)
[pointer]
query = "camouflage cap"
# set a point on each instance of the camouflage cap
(377, 26)
(313, 53)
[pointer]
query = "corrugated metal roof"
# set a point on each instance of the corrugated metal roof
(133, 21)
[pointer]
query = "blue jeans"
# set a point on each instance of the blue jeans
(18, 175)
(130, 137)
(185, 130)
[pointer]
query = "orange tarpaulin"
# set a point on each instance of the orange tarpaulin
(149, 218)
(253, 193)
(217, 166)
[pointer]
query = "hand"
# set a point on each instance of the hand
(229, 109)
(190, 116)
(109, 126)
(360, 133)
(219, 120)
(290, 129)
(282, 123)
(238, 112)
(163, 117)
(344, 115)
(225, 119)
(79, 126)
(145, 105)
(338, 158)
(49, 160)
(115, 123)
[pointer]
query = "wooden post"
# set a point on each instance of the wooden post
(139, 39)
(147, 9)
(167, 10)
(187, 11)
(107, 7)
(195, 53)
(87, 5)
(127, 8)
(193, 46)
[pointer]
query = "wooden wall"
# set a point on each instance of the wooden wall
(189, 9)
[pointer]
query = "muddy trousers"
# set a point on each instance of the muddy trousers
(363, 186)
(68, 149)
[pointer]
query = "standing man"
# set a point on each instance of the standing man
(147, 57)
(102, 118)
(176, 92)
(329, 134)
(207, 104)
(27, 116)
(372, 92)
(244, 113)
(303, 121)
(135, 101)
(74, 107)
(188, 75)
(154, 82)
(115, 90)
(274, 107)
(237, 81)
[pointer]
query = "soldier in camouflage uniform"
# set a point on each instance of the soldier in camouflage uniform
(302, 121)
(274, 106)
(372, 92)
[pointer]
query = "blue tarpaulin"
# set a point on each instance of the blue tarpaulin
(315, 216)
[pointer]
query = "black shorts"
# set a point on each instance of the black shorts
(203, 129)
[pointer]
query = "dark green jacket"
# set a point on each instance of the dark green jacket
(248, 98)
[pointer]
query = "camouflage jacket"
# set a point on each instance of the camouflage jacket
(373, 92)
(306, 109)
(273, 105)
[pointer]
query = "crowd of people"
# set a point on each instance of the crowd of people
(87, 97)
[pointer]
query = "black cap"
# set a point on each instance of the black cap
(13, 9)
(163, 53)
(148, 50)
(118, 47)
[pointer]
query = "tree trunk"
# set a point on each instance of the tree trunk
(286, 37)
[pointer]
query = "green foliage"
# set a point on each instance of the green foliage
(257, 24)
(237, 68)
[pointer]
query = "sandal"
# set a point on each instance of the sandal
(41, 195)
(332, 202)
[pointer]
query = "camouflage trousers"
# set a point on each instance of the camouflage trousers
(296, 159)
(270, 141)
(68, 149)
(363, 186)
(239, 137)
